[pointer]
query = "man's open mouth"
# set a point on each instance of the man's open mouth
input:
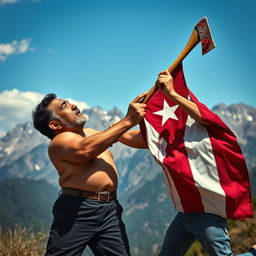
(77, 112)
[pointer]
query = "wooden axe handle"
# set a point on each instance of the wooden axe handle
(192, 42)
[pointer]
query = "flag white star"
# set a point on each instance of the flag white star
(167, 112)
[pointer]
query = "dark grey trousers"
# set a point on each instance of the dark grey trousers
(79, 222)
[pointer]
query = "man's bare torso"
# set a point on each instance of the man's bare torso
(98, 174)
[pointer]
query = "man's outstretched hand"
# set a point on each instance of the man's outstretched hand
(136, 110)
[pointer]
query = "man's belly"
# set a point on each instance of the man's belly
(95, 181)
(98, 175)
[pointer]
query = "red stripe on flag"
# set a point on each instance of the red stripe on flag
(231, 165)
(182, 176)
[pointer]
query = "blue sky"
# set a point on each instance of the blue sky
(106, 52)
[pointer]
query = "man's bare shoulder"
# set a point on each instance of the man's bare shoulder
(64, 140)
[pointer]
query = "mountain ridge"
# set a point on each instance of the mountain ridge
(20, 147)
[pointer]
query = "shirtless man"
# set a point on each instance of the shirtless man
(87, 211)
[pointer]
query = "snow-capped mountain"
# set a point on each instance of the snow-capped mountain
(17, 142)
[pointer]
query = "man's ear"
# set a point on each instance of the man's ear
(55, 125)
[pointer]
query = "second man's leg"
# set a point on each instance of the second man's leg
(177, 239)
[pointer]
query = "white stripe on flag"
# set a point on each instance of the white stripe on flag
(203, 167)
(157, 147)
(172, 189)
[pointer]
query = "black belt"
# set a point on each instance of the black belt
(103, 196)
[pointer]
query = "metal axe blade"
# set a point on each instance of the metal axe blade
(205, 35)
(201, 33)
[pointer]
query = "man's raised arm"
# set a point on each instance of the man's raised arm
(75, 148)
(165, 82)
(134, 139)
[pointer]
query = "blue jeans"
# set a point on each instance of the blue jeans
(209, 229)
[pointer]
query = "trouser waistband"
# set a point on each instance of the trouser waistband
(103, 196)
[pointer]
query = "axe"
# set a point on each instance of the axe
(201, 33)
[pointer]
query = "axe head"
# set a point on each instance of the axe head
(205, 35)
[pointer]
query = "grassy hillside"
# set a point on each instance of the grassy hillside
(26, 202)
(147, 214)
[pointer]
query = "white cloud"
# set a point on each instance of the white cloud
(4, 2)
(15, 47)
(16, 107)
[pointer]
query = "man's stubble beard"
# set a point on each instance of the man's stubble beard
(78, 121)
(82, 121)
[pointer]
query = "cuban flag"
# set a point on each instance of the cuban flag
(204, 167)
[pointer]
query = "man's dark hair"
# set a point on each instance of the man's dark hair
(42, 116)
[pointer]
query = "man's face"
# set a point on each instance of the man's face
(69, 114)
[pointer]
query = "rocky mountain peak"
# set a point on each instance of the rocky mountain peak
(237, 113)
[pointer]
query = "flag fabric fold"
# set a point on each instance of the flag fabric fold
(204, 167)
